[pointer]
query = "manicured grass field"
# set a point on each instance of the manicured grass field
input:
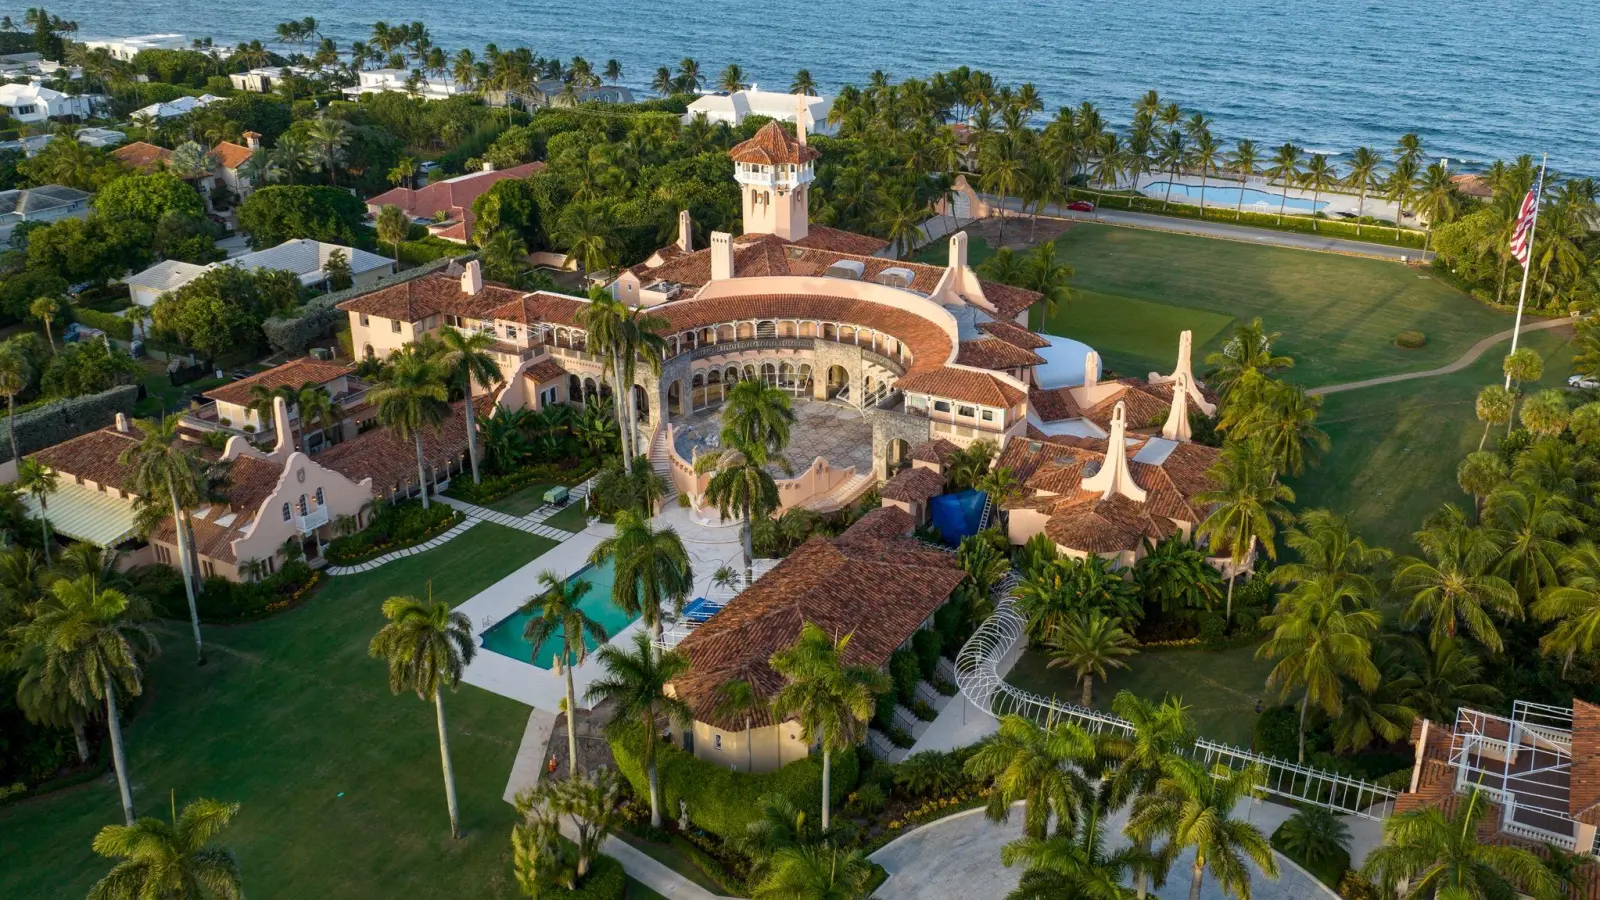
(1396, 446)
(1220, 687)
(523, 501)
(339, 780)
(572, 517)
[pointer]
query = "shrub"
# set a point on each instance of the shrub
(926, 644)
(944, 687)
(1277, 732)
(683, 501)
(1316, 839)
(923, 711)
(110, 323)
(393, 528)
(59, 420)
(905, 673)
(568, 472)
(1213, 628)
(868, 800)
(883, 712)
(1410, 340)
(221, 600)
(1354, 887)
(950, 620)
(725, 802)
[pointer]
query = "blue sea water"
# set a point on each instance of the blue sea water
(1478, 79)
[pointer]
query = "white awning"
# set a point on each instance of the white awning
(86, 515)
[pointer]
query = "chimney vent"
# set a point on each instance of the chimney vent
(721, 256)
(472, 278)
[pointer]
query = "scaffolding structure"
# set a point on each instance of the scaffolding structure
(1523, 762)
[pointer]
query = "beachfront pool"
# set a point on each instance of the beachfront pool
(1225, 196)
(506, 639)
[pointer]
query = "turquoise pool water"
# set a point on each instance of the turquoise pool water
(1222, 195)
(506, 639)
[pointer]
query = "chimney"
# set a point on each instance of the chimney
(958, 251)
(252, 140)
(1091, 370)
(800, 118)
(721, 256)
(1114, 476)
(122, 423)
(685, 231)
(472, 278)
(280, 420)
(488, 166)
(1185, 369)
(1177, 427)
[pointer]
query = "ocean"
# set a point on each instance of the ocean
(1477, 79)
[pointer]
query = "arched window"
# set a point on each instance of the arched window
(286, 513)
(320, 501)
(304, 509)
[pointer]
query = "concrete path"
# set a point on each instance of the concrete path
(1466, 359)
(1206, 228)
(375, 562)
(532, 523)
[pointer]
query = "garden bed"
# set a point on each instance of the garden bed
(496, 487)
(393, 528)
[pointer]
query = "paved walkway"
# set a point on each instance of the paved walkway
(375, 562)
(1206, 228)
(532, 523)
(1466, 359)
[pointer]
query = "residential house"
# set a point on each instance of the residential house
(446, 206)
(100, 137)
(126, 48)
(171, 109)
(378, 81)
(230, 408)
(306, 258)
(230, 159)
(264, 80)
(142, 157)
(36, 103)
(732, 109)
(553, 92)
(48, 203)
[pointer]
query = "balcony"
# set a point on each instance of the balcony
(312, 520)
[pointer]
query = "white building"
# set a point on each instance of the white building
(265, 79)
(732, 108)
(180, 106)
(41, 204)
(101, 137)
(306, 258)
(34, 103)
(127, 48)
(377, 81)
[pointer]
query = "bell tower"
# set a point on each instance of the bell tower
(775, 172)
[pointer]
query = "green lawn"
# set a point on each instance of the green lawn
(161, 395)
(637, 891)
(523, 501)
(1220, 687)
(339, 780)
(572, 518)
(1338, 315)
(1396, 446)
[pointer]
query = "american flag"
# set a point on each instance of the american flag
(1521, 238)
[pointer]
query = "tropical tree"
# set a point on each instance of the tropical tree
(1493, 406)
(732, 79)
(1320, 175)
(1452, 585)
(1400, 189)
(1042, 766)
(1089, 644)
(1436, 199)
(1532, 524)
(1573, 604)
(1280, 416)
(411, 398)
(1285, 169)
(1321, 635)
(39, 481)
(1315, 835)
(178, 860)
(557, 611)
(651, 566)
(1192, 807)
(427, 648)
(1430, 853)
(803, 83)
(1362, 177)
(1243, 161)
(636, 682)
(830, 700)
(1073, 865)
(741, 485)
(1245, 506)
(1520, 367)
(329, 139)
(817, 872)
(94, 641)
(1158, 731)
(1050, 277)
(467, 361)
(163, 465)
(45, 309)
(392, 226)
(1247, 353)
(15, 375)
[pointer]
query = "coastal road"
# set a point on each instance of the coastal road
(1222, 230)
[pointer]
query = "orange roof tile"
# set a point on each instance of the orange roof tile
(834, 240)
(230, 155)
(771, 146)
(913, 485)
(544, 371)
(964, 385)
(291, 374)
(143, 157)
(993, 353)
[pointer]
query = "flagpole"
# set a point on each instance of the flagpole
(1527, 268)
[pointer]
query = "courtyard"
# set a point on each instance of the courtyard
(835, 431)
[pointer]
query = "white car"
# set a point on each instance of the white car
(1582, 383)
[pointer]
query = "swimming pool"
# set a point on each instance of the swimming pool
(1222, 195)
(506, 639)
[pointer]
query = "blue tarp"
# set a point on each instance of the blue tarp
(956, 515)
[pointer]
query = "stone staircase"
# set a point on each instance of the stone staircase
(661, 464)
(842, 495)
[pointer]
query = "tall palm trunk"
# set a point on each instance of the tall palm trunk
(748, 540)
(572, 724)
(1238, 214)
(449, 770)
(1198, 874)
(119, 759)
(44, 529)
(1482, 440)
(1283, 202)
(1305, 707)
(650, 766)
(422, 475)
(827, 783)
(472, 432)
(1141, 878)
(1361, 206)
(749, 749)
(81, 737)
(11, 424)
(620, 407)
(188, 578)
(1203, 193)
(1227, 616)
(1088, 691)
(1168, 198)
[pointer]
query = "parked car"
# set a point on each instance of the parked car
(1081, 206)
(78, 331)
(1582, 383)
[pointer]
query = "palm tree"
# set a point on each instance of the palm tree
(1437, 681)
(467, 360)
(1173, 155)
(177, 860)
(1206, 158)
(900, 218)
(651, 565)
(1077, 866)
(1248, 352)
(1451, 585)
(1244, 507)
(604, 321)
(1532, 524)
(803, 84)
(1362, 177)
(15, 375)
(732, 79)
(94, 641)
(1321, 634)
(636, 682)
(558, 610)
(816, 872)
(1051, 278)
(1242, 162)
(740, 484)
(663, 83)
(1042, 766)
(1493, 407)
(1158, 731)
(757, 414)
(1089, 644)
(1520, 367)
(45, 309)
(1286, 169)
(163, 464)
(329, 139)
(1192, 807)
(411, 399)
(39, 482)
(690, 80)
(736, 699)
(831, 701)
(1574, 605)
(392, 226)
(427, 647)
(1282, 417)
(1436, 199)
(1479, 474)
(1320, 175)
(1430, 853)
(1400, 188)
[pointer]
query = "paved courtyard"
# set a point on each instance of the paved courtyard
(836, 432)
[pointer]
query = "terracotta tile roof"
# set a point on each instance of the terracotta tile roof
(453, 232)
(1014, 334)
(453, 195)
(381, 455)
(913, 485)
(823, 583)
(821, 237)
(771, 146)
(1088, 524)
(250, 482)
(1148, 404)
(430, 295)
(1472, 185)
(530, 309)
(230, 155)
(142, 157)
(92, 457)
(290, 374)
(993, 353)
(963, 385)
(545, 370)
(937, 450)
(883, 524)
(1583, 798)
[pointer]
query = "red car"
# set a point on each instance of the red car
(1081, 206)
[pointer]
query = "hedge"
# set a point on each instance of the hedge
(221, 600)
(392, 528)
(111, 323)
(1370, 233)
(606, 881)
(427, 250)
(723, 801)
(294, 333)
(60, 420)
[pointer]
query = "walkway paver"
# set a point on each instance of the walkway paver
(532, 523)
(371, 564)
(1466, 359)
